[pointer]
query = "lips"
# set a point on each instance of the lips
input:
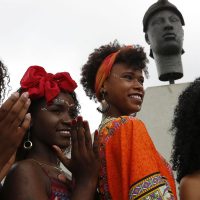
(64, 132)
(136, 97)
(169, 35)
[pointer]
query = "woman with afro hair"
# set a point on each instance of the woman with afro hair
(186, 153)
(131, 167)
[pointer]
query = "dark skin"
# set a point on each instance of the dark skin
(14, 123)
(85, 160)
(51, 126)
(189, 187)
(128, 94)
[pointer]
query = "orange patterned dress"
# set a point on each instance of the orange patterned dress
(131, 167)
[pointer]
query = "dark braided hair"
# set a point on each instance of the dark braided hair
(4, 81)
(133, 57)
(186, 129)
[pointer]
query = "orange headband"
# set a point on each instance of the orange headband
(104, 71)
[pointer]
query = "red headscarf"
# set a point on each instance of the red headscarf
(39, 83)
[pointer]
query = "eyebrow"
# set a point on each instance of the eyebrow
(131, 72)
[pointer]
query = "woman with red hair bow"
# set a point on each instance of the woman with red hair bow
(37, 174)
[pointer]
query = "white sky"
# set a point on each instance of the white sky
(60, 34)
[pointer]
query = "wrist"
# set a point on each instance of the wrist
(84, 189)
(86, 182)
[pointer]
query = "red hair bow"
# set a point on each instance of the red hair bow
(39, 83)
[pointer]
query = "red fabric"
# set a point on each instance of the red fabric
(39, 83)
(62, 191)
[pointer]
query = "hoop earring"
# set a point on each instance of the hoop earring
(105, 105)
(27, 143)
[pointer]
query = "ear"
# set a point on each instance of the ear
(147, 38)
(104, 86)
(102, 90)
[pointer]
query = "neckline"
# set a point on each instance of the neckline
(58, 168)
(106, 120)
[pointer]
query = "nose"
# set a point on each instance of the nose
(168, 25)
(66, 118)
(68, 122)
(138, 86)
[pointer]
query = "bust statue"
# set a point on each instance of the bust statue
(162, 24)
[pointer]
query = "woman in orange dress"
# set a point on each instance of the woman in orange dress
(131, 167)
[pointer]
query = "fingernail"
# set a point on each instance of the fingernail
(79, 118)
(28, 102)
(25, 94)
(55, 147)
(15, 94)
(28, 115)
(85, 123)
(73, 122)
(96, 133)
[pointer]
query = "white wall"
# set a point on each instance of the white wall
(157, 114)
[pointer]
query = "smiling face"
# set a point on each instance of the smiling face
(124, 90)
(165, 33)
(51, 124)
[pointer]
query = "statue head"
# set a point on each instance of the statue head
(162, 24)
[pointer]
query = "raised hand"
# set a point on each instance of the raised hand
(84, 163)
(13, 125)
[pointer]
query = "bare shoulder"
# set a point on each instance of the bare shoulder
(190, 187)
(24, 181)
(25, 169)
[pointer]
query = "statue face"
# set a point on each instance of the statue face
(165, 33)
